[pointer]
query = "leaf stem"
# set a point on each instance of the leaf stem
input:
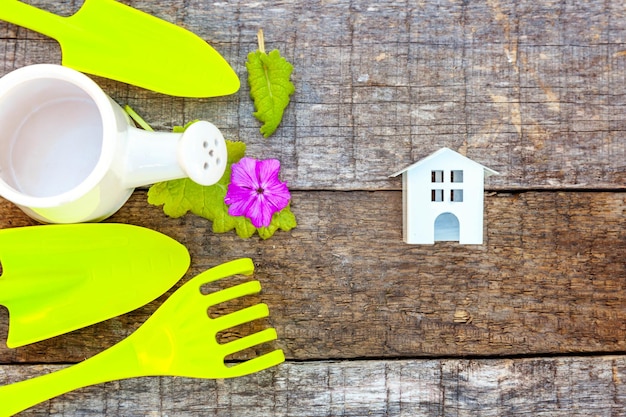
(137, 119)
(261, 40)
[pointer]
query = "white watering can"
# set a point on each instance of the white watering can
(69, 153)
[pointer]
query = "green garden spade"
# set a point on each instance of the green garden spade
(110, 39)
(59, 278)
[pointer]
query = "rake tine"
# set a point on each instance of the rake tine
(257, 364)
(242, 316)
(243, 266)
(237, 291)
(249, 341)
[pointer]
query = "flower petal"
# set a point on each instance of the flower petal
(244, 173)
(267, 172)
(279, 197)
(235, 194)
(259, 212)
(241, 208)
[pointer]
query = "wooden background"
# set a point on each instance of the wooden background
(531, 323)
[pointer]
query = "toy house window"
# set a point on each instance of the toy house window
(456, 196)
(436, 195)
(456, 176)
(436, 176)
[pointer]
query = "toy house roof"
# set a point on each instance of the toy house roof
(441, 153)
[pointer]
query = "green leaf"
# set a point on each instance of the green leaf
(179, 197)
(270, 87)
(283, 220)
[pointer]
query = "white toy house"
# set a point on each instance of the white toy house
(442, 198)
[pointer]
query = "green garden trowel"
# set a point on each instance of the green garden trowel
(113, 40)
(59, 278)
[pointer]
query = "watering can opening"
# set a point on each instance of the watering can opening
(52, 136)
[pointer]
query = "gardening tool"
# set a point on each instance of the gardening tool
(179, 339)
(116, 41)
(70, 154)
(59, 278)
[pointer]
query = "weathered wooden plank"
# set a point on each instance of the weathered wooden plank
(518, 85)
(576, 386)
(532, 89)
(549, 278)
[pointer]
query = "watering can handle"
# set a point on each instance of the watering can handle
(33, 18)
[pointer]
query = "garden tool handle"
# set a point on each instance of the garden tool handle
(33, 18)
(115, 363)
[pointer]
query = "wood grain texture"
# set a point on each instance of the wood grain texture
(549, 279)
(550, 387)
(532, 90)
(371, 326)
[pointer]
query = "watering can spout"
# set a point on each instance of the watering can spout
(199, 153)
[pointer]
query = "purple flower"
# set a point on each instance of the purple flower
(255, 191)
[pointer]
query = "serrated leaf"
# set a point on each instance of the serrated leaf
(270, 87)
(283, 220)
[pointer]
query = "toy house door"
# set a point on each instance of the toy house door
(447, 228)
